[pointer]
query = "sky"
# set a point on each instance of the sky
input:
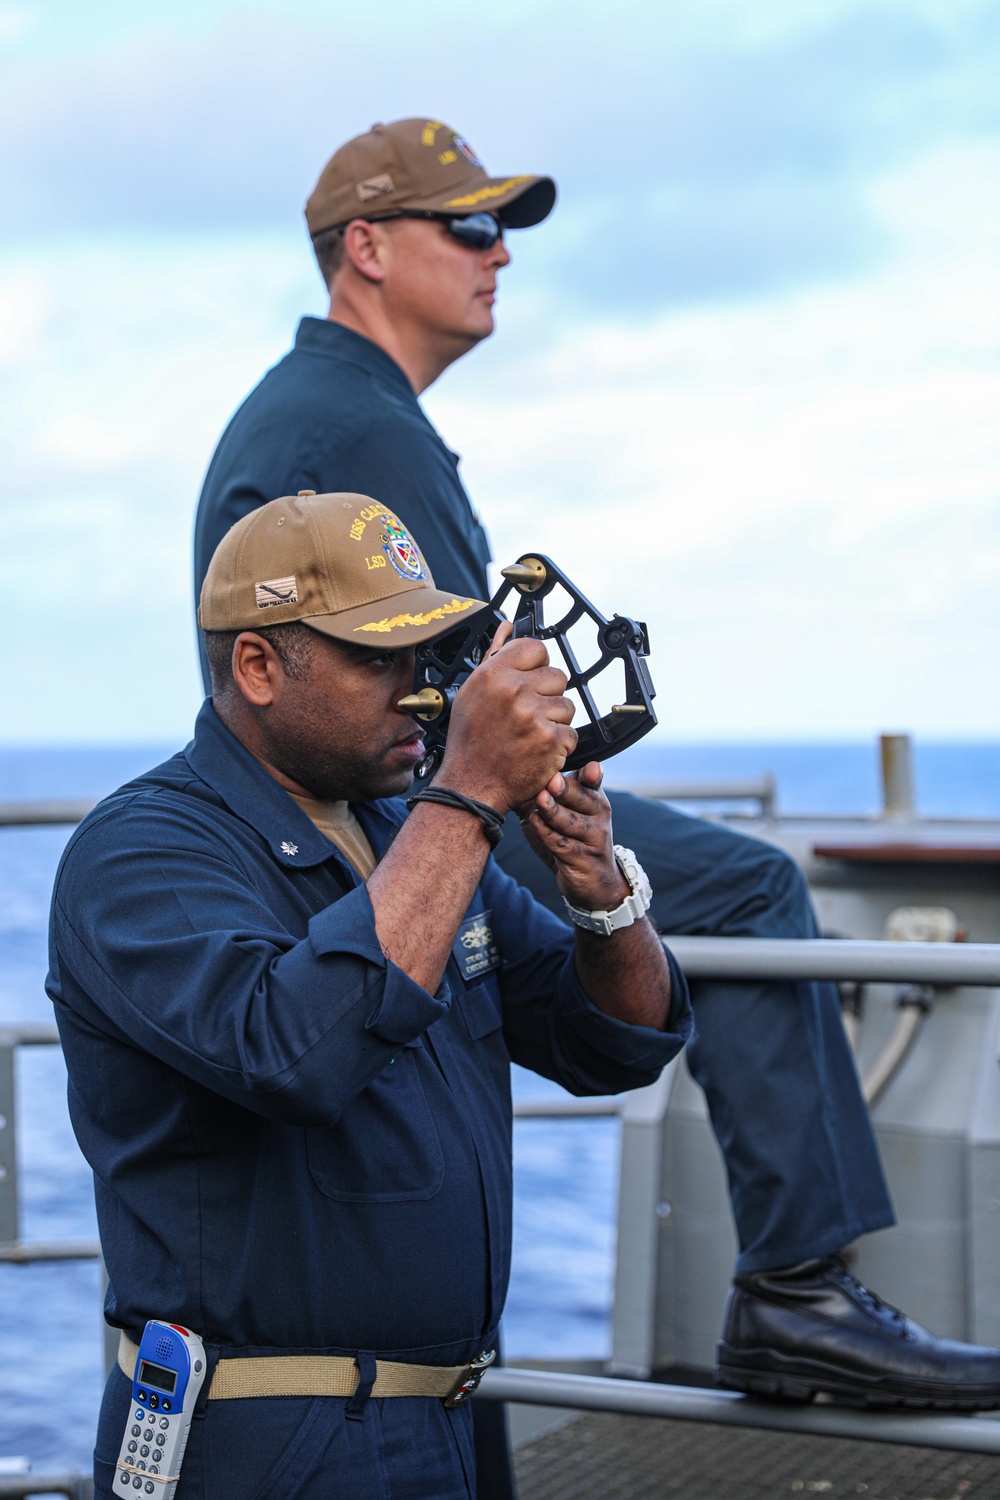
(745, 381)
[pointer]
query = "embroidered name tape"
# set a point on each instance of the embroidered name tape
(475, 950)
(274, 591)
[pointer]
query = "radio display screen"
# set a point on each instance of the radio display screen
(158, 1375)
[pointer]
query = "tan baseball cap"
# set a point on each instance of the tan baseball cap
(421, 164)
(344, 565)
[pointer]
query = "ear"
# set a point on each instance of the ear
(257, 670)
(365, 247)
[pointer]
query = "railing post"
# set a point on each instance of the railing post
(8, 1144)
(899, 800)
(639, 1227)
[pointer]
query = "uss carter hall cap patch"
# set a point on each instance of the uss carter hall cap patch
(421, 164)
(342, 564)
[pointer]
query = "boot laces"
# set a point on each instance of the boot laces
(877, 1303)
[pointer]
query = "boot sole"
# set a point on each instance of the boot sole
(765, 1372)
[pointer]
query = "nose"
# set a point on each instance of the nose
(498, 256)
(504, 258)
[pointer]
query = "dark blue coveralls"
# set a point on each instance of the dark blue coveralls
(804, 1174)
(296, 1148)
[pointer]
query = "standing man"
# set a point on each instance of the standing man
(291, 1081)
(408, 230)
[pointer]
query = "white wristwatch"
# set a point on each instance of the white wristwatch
(635, 905)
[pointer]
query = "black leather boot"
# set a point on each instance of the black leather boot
(813, 1327)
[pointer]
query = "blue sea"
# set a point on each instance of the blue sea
(565, 1172)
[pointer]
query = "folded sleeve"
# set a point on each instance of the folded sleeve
(550, 1023)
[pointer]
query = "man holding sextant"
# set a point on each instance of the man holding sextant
(291, 1081)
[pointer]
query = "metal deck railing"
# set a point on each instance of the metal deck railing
(950, 964)
(650, 1399)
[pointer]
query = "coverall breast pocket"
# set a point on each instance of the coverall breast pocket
(481, 1009)
(386, 1148)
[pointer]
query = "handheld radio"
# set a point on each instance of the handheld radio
(169, 1373)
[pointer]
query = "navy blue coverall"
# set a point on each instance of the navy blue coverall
(296, 1148)
(337, 413)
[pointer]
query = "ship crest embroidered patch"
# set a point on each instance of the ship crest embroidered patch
(400, 549)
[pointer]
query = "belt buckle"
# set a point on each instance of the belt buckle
(468, 1383)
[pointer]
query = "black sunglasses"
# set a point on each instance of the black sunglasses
(475, 231)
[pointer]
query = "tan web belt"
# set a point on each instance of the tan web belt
(328, 1375)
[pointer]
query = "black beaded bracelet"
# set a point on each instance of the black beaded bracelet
(491, 820)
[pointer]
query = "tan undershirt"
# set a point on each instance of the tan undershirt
(342, 828)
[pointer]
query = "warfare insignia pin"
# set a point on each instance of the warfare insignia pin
(275, 591)
(375, 187)
(287, 848)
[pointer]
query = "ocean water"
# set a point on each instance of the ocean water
(565, 1171)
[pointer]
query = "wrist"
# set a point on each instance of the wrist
(608, 919)
(596, 891)
(468, 783)
(446, 796)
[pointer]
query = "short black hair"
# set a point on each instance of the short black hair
(293, 643)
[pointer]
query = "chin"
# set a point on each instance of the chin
(397, 785)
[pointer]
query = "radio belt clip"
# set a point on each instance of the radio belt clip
(468, 1383)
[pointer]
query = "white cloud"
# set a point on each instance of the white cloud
(798, 492)
(24, 305)
(16, 21)
(809, 485)
(112, 407)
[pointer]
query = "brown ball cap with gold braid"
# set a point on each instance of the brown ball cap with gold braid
(420, 164)
(344, 565)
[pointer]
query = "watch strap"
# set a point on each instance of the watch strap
(634, 906)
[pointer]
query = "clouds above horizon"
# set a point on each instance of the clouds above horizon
(734, 162)
(746, 379)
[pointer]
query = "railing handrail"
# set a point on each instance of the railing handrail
(33, 811)
(837, 958)
(762, 789)
(29, 1034)
(687, 1404)
(38, 810)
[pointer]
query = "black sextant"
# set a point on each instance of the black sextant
(444, 664)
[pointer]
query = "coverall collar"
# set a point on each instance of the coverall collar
(334, 340)
(217, 756)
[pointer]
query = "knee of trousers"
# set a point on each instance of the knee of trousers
(789, 909)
